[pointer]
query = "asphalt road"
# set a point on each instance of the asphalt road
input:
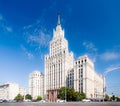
(63, 104)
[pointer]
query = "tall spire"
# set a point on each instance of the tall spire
(58, 18)
(58, 32)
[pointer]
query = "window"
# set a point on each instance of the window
(82, 61)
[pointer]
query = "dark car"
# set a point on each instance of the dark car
(5, 101)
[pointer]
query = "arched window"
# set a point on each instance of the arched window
(82, 61)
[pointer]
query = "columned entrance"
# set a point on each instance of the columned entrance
(52, 95)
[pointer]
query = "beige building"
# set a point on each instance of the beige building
(86, 79)
(61, 70)
(36, 84)
(98, 83)
(9, 91)
(57, 63)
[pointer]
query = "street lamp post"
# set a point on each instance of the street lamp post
(104, 74)
(103, 87)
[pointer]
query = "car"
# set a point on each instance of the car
(12, 101)
(86, 100)
(1, 101)
(5, 101)
(42, 101)
(60, 101)
(34, 100)
(27, 100)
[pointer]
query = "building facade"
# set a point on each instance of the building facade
(84, 79)
(57, 63)
(99, 86)
(61, 70)
(9, 91)
(84, 76)
(36, 84)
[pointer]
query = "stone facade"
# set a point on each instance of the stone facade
(9, 91)
(36, 84)
(86, 79)
(57, 63)
(61, 70)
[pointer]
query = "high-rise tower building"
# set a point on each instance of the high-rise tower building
(57, 63)
(36, 84)
(61, 70)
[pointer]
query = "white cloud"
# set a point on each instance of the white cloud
(42, 39)
(89, 46)
(42, 56)
(92, 56)
(28, 54)
(4, 25)
(110, 56)
(9, 29)
(37, 34)
(112, 68)
(91, 50)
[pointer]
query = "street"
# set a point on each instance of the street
(62, 104)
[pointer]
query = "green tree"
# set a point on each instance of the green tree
(106, 97)
(28, 96)
(82, 96)
(19, 97)
(71, 95)
(39, 98)
(113, 97)
(76, 96)
(62, 91)
(117, 99)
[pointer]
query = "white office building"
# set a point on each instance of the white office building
(36, 84)
(86, 79)
(57, 63)
(99, 85)
(9, 91)
(61, 70)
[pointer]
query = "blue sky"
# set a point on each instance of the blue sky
(91, 27)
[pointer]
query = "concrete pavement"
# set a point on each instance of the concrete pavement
(62, 104)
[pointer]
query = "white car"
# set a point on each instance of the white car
(60, 101)
(42, 101)
(27, 100)
(86, 100)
